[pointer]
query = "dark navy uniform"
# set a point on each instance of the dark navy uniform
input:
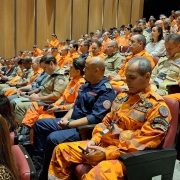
(93, 102)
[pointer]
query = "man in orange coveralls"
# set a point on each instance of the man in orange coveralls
(138, 120)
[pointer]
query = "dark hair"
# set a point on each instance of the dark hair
(20, 61)
(28, 59)
(138, 30)
(160, 30)
(174, 37)
(75, 45)
(91, 32)
(86, 43)
(48, 58)
(118, 31)
(152, 19)
(6, 156)
(128, 28)
(98, 43)
(7, 112)
(79, 64)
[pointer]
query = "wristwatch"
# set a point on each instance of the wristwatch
(67, 125)
(26, 93)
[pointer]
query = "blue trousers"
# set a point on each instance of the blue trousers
(47, 135)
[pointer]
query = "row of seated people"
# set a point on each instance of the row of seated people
(61, 80)
(91, 106)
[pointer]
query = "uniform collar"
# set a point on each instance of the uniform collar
(103, 80)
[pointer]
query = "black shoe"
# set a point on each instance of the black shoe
(24, 135)
(37, 161)
(41, 175)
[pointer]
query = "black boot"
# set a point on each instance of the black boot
(37, 161)
(24, 135)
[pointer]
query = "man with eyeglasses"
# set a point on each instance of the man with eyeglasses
(114, 60)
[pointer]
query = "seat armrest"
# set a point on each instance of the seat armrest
(133, 158)
(85, 131)
(60, 113)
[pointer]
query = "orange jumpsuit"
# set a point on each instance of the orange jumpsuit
(143, 53)
(58, 57)
(104, 44)
(13, 91)
(124, 41)
(65, 102)
(54, 43)
(118, 40)
(101, 55)
(37, 52)
(136, 128)
(61, 61)
(69, 58)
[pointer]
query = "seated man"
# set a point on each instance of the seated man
(53, 87)
(92, 103)
(24, 80)
(136, 46)
(130, 126)
(167, 70)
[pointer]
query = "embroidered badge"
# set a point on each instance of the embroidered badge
(163, 111)
(159, 126)
(106, 104)
(61, 81)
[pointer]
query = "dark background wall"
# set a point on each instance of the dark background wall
(157, 7)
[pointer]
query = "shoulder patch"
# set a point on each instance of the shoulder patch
(157, 96)
(82, 81)
(163, 111)
(108, 86)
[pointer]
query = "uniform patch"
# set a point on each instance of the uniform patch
(140, 109)
(159, 126)
(106, 104)
(163, 111)
(108, 86)
(71, 90)
(161, 120)
(61, 81)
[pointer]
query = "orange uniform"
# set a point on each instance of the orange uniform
(62, 60)
(143, 53)
(118, 40)
(141, 122)
(54, 43)
(101, 55)
(37, 52)
(58, 57)
(69, 58)
(13, 91)
(124, 41)
(65, 102)
(104, 44)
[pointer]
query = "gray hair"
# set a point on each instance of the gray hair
(144, 65)
(174, 37)
(140, 38)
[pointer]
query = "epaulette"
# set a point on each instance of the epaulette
(157, 96)
(82, 81)
(162, 59)
(108, 85)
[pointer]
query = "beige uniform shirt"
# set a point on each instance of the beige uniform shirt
(14, 73)
(27, 73)
(113, 64)
(166, 72)
(55, 84)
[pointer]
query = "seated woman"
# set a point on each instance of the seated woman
(8, 170)
(7, 113)
(156, 47)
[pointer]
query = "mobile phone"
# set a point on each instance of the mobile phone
(83, 150)
(46, 107)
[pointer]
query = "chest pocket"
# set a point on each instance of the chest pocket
(174, 71)
(110, 64)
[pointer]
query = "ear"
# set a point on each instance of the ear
(147, 76)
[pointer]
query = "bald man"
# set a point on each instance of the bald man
(92, 104)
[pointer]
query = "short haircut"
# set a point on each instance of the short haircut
(118, 31)
(86, 43)
(144, 65)
(98, 43)
(48, 58)
(79, 64)
(137, 30)
(141, 38)
(174, 37)
(75, 45)
(152, 19)
(28, 59)
(92, 33)
(20, 62)
(37, 59)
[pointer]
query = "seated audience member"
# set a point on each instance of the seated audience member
(54, 42)
(15, 72)
(142, 24)
(73, 48)
(152, 21)
(65, 102)
(105, 41)
(37, 51)
(79, 42)
(7, 113)
(52, 89)
(124, 41)
(63, 57)
(8, 168)
(55, 53)
(92, 103)
(117, 37)
(36, 72)
(156, 47)
(136, 46)
(96, 51)
(84, 49)
(114, 59)
(7, 69)
(24, 80)
(125, 129)
(167, 70)
(137, 30)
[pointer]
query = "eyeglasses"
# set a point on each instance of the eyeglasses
(109, 46)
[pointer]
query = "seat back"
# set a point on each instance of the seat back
(24, 164)
(13, 138)
(124, 49)
(171, 134)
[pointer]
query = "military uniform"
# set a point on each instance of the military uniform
(55, 84)
(138, 122)
(14, 73)
(93, 102)
(27, 73)
(65, 102)
(113, 64)
(166, 72)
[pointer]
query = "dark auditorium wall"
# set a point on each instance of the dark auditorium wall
(157, 7)
(28, 22)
